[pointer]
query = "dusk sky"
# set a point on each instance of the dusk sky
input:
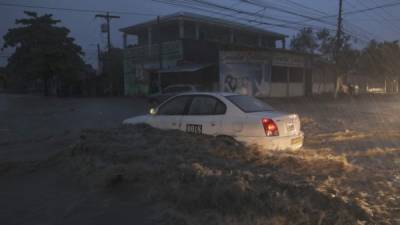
(381, 24)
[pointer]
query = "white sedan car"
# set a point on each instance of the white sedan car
(244, 118)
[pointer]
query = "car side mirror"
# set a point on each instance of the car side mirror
(153, 111)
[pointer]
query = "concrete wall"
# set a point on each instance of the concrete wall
(323, 79)
(322, 88)
(296, 89)
(286, 90)
(278, 90)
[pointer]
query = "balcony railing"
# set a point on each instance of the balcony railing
(150, 53)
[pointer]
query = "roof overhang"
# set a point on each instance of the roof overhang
(188, 68)
(193, 17)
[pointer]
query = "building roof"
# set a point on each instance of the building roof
(193, 17)
(193, 67)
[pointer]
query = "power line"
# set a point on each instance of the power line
(75, 9)
(219, 9)
(190, 6)
(363, 30)
(238, 11)
(354, 11)
(290, 5)
(318, 19)
(263, 4)
(320, 12)
(385, 18)
(306, 7)
(322, 21)
(206, 8)
(351, 33)
(373, 16)
(365, 19)
(369, 9)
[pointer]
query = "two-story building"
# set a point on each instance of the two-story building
(217, 54)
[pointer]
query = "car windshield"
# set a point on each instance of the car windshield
(249, 104)
(177, 89)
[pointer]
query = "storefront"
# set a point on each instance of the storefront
(265, 73)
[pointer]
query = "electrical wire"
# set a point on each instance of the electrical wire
(351, 33)
(213, 5)
(283, 10)
(189, 6)
(76, 10)
(384, 15)
(254, 17)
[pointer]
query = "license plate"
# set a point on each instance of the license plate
(194, 128)
(296, 141)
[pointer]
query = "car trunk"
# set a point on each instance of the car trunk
(288, 124)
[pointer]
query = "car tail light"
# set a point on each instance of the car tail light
(270, 127)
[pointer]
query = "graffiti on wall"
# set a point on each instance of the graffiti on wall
(246, 79)
(249, 72)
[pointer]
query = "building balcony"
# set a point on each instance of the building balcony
(146, 53)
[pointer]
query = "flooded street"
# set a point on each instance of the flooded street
(348, 171)
(34, 127)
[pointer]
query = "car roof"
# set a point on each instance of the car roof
(179, 85)
(224, 94)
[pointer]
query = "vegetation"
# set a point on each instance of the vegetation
(378, 60)
(3, 78)
(43, 51)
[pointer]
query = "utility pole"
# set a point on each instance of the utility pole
(108, 19)
(105, 66)
(160, 49)
(339, 29)
(338, 45)
(159, 42)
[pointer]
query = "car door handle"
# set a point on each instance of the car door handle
(213, 124)
(173, 124)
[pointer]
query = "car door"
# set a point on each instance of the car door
(169, 114)
(204, 115)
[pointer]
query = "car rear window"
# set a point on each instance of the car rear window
(249, 104)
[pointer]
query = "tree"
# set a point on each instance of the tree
(321, 42)
(3, 78)
(324, 43)
(305, 41)
(43, 51)
(380, 60)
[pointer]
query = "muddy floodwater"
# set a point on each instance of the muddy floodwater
(69, 161)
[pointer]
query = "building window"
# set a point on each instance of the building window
(296, 75)
(279, 74)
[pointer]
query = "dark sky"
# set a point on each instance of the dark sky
(382, 24)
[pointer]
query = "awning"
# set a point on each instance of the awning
(189, 68)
